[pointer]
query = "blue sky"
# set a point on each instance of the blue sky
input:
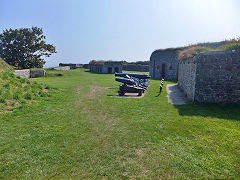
(130, 30)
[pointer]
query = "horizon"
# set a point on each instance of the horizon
(123, 31)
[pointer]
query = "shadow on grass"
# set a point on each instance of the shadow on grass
(222, 111)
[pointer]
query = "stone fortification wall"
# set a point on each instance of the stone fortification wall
(24, 73)
(72, 66)
(37, 73)
(132, 67)
(107, 67)
(30, 73)
(186, 76)
(217, 77)
(62, 68)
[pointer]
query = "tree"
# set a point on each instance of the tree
(25, 47)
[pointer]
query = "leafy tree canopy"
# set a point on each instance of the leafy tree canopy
(25, 47)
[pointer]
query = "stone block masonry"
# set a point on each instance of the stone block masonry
(30, 73)
(63, 68)
(212, 77)
(133, 67)
(24, 73)
(72, 66)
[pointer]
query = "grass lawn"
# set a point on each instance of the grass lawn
(82, 131)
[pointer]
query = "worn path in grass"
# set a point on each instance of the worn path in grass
(175, 95)
(82, 131)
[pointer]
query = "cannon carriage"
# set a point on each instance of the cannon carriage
(132, 83)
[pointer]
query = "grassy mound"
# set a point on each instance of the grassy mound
(230, 46)
(4, 67)
(16, 91)
(192, 51)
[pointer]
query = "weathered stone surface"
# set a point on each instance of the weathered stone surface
(30, 73)
(166, 58)
(72, 66)
(211, 77)
(133, 67)
(34, 73)
(62, 68)
(24, 73)
(108, 67)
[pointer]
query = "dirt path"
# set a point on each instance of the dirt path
(175, 95)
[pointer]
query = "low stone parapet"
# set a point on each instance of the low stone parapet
(63, 68)
(24, 73)
(30, 73)
(37, 73)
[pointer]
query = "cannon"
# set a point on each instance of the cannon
(126, 81)
(139, 76)
(132, 83)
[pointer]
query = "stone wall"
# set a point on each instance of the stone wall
(186, 76)
(133, 67)
(161, 60)
(24, 73)
(62, 68)
(107, 67)
(34, 73)
(217, 77)
(72, 66)
(30, 73)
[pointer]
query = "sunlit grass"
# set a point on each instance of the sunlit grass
(83, 131)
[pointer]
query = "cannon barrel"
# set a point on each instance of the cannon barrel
(139, 76)
(125, 81)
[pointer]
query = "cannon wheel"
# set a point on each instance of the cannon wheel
(140, 93)
(121, 93)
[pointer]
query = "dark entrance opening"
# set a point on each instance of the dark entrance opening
(110, 70)
(163, 70)
(116, 70)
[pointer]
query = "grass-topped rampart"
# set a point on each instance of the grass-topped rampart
(5, 66)
(16, 91)
(191, 51)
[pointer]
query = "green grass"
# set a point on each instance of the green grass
(192, 51)
(5, 67)
(16, 91)
(230, 46)
(82, 131)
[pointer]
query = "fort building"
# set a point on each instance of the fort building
(164, 64)
(106, 67)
